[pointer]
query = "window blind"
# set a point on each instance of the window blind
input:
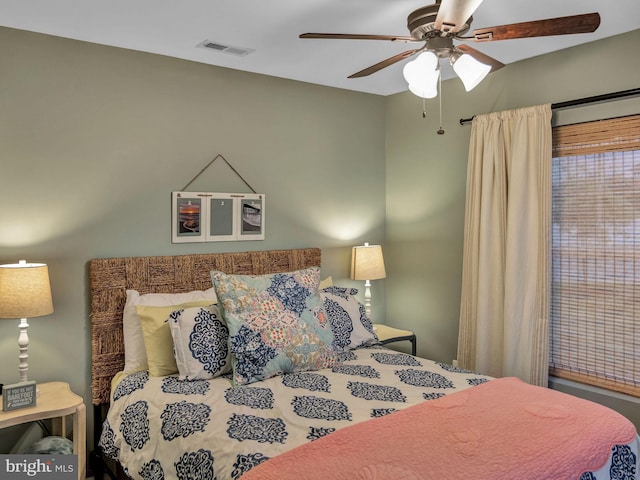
(595, 296)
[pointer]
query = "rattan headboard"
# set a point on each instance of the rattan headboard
(109, 278)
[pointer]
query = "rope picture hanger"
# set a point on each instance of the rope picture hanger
(211, 163)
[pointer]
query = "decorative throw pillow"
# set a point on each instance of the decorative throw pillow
(156, 334)
(349, 322)
(135, 356)
(325, 283)
(200, 342)
(277, 323)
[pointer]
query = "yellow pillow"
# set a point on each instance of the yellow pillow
(156, 333)
(326, 283)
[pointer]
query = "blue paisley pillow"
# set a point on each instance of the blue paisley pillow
(200, 341)
(349, 322)
(277, 323)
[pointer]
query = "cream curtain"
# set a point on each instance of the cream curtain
(504, 312)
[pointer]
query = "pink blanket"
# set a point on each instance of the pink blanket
(503, 429)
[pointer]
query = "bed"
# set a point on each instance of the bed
(345, 407)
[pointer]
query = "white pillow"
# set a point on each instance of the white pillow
(135, 355)
(349, 322)
(200, 342)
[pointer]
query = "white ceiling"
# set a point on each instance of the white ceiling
(175, 28)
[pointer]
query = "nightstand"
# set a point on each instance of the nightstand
(56, 401)
(388, 334)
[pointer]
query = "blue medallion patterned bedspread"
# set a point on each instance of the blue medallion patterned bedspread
(169, 428)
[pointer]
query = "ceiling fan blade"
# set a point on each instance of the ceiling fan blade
(348, 36)
(453, 14)
(585, 23)
(481, 57)
(385, 63)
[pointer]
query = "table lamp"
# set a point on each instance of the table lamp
(24, 292)
(367, 264)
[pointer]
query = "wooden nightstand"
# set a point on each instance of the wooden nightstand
(56, 401)
(388, 334)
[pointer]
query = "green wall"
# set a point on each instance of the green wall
(93, 139)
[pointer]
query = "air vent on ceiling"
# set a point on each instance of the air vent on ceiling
(228, 49)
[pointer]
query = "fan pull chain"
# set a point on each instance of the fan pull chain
(440, 131)
(424, 107)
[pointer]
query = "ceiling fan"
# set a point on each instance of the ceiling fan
(438, 25)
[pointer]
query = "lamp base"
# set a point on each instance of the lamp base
(23, 345)
(367, 298)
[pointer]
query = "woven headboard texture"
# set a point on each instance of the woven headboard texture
(109, 278)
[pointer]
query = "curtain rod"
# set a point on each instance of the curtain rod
(582, 101)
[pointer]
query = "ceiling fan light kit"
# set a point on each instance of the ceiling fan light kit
(438, 25)
(422, 74)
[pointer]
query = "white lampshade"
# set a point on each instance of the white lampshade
(422, 75)
(367, 262)
(25, 290)
(470, 71)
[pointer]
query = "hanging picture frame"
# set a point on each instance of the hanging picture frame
(217, 217)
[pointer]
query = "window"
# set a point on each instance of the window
(595, 294)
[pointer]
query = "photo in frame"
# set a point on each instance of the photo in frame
(217, 217)
(186, 217)
(252, 218)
